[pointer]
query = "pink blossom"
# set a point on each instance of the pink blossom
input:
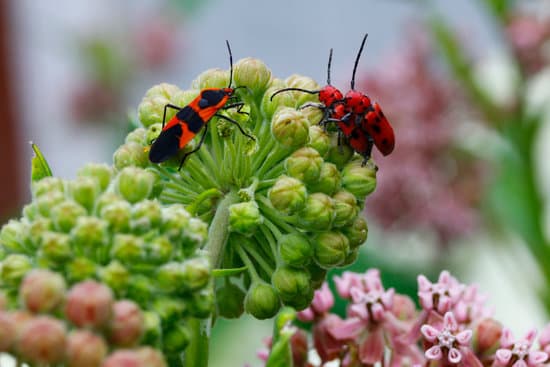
(440, 296)
(471, 306)
(323, 300)
(518, 353)
(447, 340)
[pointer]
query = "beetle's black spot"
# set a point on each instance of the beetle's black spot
(203, 103)
(212, 97)
(376, 129)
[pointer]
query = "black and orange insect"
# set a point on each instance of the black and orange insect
(189, 120)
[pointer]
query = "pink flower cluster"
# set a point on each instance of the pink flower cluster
(453, 327)
(92, 324)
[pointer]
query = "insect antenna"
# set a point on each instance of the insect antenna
(357, 61)
(230, 63)
(296, 89)
(328, 68)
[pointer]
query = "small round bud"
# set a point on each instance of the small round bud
(140, 288)
(339, 155)
(176, 338)
(295, 249)
(303, 82)
(345, 207)
(47, 185)
(358, 180)
(116, 276)
(487, 336)
(85, 191)
(89, 304)
(403, 307)
(123, 358)
(190, 275)
(153, 132)
(262, 301)
(10, 236)
(151, 357)
(65, 214)
(47, 201)
(126, 327)
(304, 165)
(331, 249)
(137, 136)
(128, 249)
(90, 234)
(230, 300)
(30, 211)
(85, 349)
(117, 214)
(184, 97)
(211, 78)
(36, 230)
(8, 331)
(101, 172)
(130, 154)
(283, 99)
(318, 213)
(313, 115)
(42, 341)
(329, 180)
(169, 310)
(135, 184)
(13, 268)
(146, 215)
(252, 73)
(152, 329)
(294, 286)
(175, 219)
(318, 140)
(351, 257)
(79, 269)
(56, 247)
(289, 127)
(288, 195)
(317, 273)
(245, 217)
(357, 232)
(151, 108)
(159, 250)
(42, 290)
(201, 304)
(194, 235)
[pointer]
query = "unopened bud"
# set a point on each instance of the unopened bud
(89, 304)
(230, 300)
(201, 304)
(252, 73)
(289, 127)
(65, 214)
(151, 108)
(244, 217)
(281, 100)
(191, 274)
(90, 234)
(329, 180)
(146, 215)
(303, 82)
(211, 78)
(359, 180)
(126, 327)
(8, 331)
(318, 140)
(318, 213)
(42, 341)
(85, 349)
(262, 301)
(100, 171)
(130, 154)
(304, 165)
(345, 207)
(135, 184)
(288, 195)
(340, 155)
(128, 249)
(115, 275)
(42, 291)
(79, 269)
(10, 236)
(294, 286)
(357, 232)
(487, 336)
(13, 268)
(47, 185)
(117, 214)
(295, 249)
(331, 249)
(137, 136)
(176, 338)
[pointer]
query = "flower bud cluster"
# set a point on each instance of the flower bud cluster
(109, 225)
(82, 326)
(292, 198)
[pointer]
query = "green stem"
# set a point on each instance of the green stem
(196, 354)
(218, 232)
(208, 194)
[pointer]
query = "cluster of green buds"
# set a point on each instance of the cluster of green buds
(107, 225)
(282, 209)
(82, 326)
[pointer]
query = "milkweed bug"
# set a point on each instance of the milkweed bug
(189, 120)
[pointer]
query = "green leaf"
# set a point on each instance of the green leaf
(39, 166)
(218, 273)
(500, 8)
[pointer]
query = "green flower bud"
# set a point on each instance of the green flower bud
(358, 180)
(252, 73)
(201, 304)
(56, 247)
(45, 202)
(36, 230)
(176, 339)
(85, 191)
(211, 78)
(117, 214)
(329, 180)
(194, 235)
(289, 127)
(190, 275)
(304, 165)
(169, 310)
(262, 301)
(101, 172)
(283, 99)
(184, 97)
(318, 213)
(230, 300)
(318, 140)
(137, 136)
(303, 82)
(153, 132)
(318, 275)
(159, 250)
(141, 289)
(151, 108)
(294, 286)
(313, 115)
(13, 268)
(245, 217)
(65, 214)
(30, 211)
(128, 249)
(46, 185)
(146, 214)
(79, 269)
(357, 232)
(130, 154)
(295, 249)
(135, 184)
(174, 221)
(288, 195)
(89, 234)
(339, 155)
(10, 236)
(351, 257)
(116, 276)
(345, 207)
(152, 329)
(331, 249)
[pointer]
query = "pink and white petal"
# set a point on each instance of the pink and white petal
(434, 353)
(503, 356)
(507, 338)
(424, 285)
(372, 349)
(306, 315)
(426, 300)
(343, 284)
(357, 294)
(358, 310)
(430, 333)
(454, 355)
(461, 311)
(377, 312)
(445, 278)
(530, 336)
(347, 329)
(443, 304)
(387, 298)
(544, 337)
(323, 300)
(519, 363)
(464, 337)
(536, 357)
(449, 321)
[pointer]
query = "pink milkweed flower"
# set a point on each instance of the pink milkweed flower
(447, 340)
(471, 306)
(518, 353)
(323, 300)
(440, 296)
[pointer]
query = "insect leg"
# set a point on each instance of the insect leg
(239, 106)
(196, 149)
(236, 123)
(164, 114)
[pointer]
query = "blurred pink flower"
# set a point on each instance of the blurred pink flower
(447, 341)
(528, 34)
(518, 353)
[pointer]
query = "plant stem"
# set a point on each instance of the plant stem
(219, 230)
(196, 354)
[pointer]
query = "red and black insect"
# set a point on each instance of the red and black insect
(189, 120)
